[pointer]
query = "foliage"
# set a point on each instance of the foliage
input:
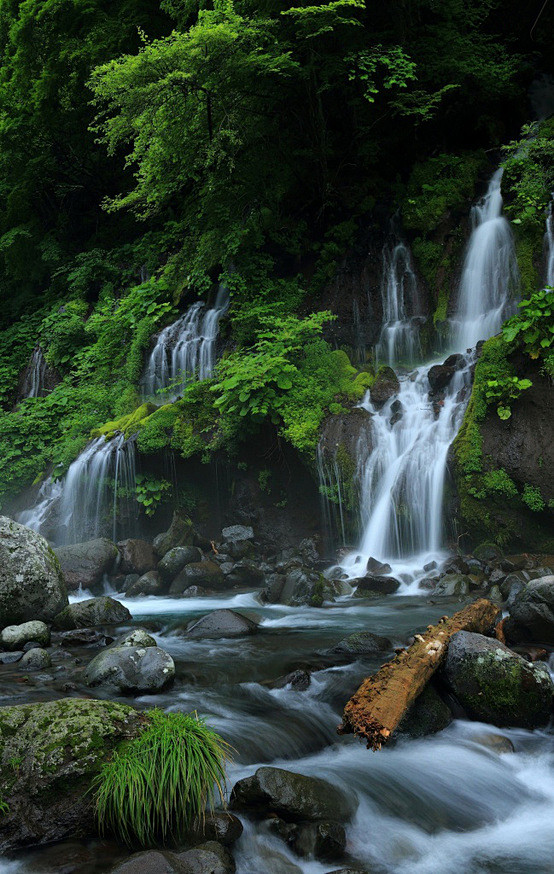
(529, 174)
(504, 391)
(533, 498)
(150, 492)
(533, 327)
(158, 785)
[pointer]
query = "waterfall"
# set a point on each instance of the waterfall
(489, 275)
(402, 478)
(33, 386)
(399, 340)
(184, 351)
(549, 246)
(96, 498)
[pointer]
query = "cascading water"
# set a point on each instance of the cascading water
(399, 340)
(95, 498)
(549, 246)
(184, 351)
(402, 479)
(33, 387)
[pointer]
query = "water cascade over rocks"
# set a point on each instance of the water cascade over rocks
(401, 480)
(549, 246)
(184, 351)
(34, 386)
(399, 340)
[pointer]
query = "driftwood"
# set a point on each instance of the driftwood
(378, 706)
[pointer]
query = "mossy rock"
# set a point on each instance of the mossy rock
(49, 754)
(128, 424)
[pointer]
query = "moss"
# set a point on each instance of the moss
(318, 594)
(361, 384)
(528, 245)
(127, 425)
(532, 498)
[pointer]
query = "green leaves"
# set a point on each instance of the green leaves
(533, 327)
(150, 492)
(505, 389)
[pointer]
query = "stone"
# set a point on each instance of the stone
(220, 826)
(85, 564)
(208, 858)
(149, 584)
(380, 584)
(137, 557)
(385, 386)
(427, 715)
(294, 797)
(148, 862)
(16, 636)
(495, 685)
(488, 552)
(222, 623)
(245, 573)
(453, 585)
(90, 613)
(273, 590)
(498, 743)
(322, 840)
(439, 377)
(377, 568)
(83, 637)
(298, 680)
(194, 592)
(456, 360)
(59, 746)
(237, 532)
(180, 533)
(129, 580)
(138, 637)
(129, 669)
(176, 559)
(9, 658)
(200, 573)
(35, 660)
(532, 610)
(360, 644)
(32, 585)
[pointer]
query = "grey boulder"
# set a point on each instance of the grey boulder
(35, 660)
(149, 584)
(90, 613)
(200, 573)
(85, 564)
(532, 610)
(176, 559)
(180, 533)
(16, 636)
(131, 669)
(223, 623)
(208, 858)
(137, 557)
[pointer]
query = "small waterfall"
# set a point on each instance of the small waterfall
(96, 498)
(489, 275)
(34, 384)
(399, 340)
(549, 246)
(184, 351)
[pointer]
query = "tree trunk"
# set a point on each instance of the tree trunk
(378, 706)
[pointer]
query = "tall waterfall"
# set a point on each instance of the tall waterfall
(402, 479)
(33, 386)
(399, 340)
(549, 246)
(95, 498)
(184, 351)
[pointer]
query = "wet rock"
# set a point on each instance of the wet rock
(85, 564)
(495, 685)
(457, 361)
(488, 552)
(237, 532)
(65, 858)
(497, 576)
(427, 715)
(453, 585)
(148, 862)
(31, 581)
(377, 568)
(131, 669)
(194, 592)
(360, 644)
(440, 376)
(90, 613)
(59, 746)
(298, 680)
(321, 840)
(9, 658)
(350, 871)
(149, 584)
(222, 623)
(512, 586)
(208, 858)
(16, 636)
(35, 660)
(458, 565)
(220, 826)
(137, 557)
(238, 541)
(200, 573)
(498, 743)
(138, 637)
(83, 637)
(129, 580)
(380, 584)
(532, 611)
(176, 559)
(245, 573)
(180, 533)
(272, 592)
(292, 796)
(494, 594)
(385, 386)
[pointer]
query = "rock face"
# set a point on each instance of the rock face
(386, 385)
(137, 557)
(532, 611)
(199, 573)
(131, 669)
(31, 581)
(58, 747)
(223, 623)
(84, 564)
(294, 797)
(16, 636)
(92, 612)
(495, 685)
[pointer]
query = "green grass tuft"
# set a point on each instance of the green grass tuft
(157, 786)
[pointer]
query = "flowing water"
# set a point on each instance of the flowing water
(549, 246)
(399, 340)
(184, 351)
(33, 387)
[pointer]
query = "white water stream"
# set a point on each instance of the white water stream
(549, 246)
(399, 340)
(33, 387)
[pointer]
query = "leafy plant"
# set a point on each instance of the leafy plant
(505, 389)
(533, 326)
(150, 492)
(160, 784)
(532, 497)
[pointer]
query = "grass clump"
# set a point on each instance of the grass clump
(157, 786)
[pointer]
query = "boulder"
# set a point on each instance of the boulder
(381, 585)
(127, 669)
(149, 584)
(385, 386)
(246, 573)
(273, 590)
(374, 566)
(59, 746)
(298, 680)
(180, 533)
(16, 636)
(138, 637)
(9, 658)
(320, 840)
(90, 613)
(532, 611)
(194, 592)
(200, 573)
(176, 559)
(31, 581)
(35, 659)
(439, 377)
(137, 557)
(223, 623)
(208, 858)
(360, 644)
(427, 715)
(148, 862)
(85, 564)
(495, 685)
(487, 552)
(453, 585)
(235, 533)
(220, 826)
(294, 797)
(83, 637)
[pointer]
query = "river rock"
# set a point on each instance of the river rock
(148, 862)
(495, 685)
(235, 533)
(58, 746)
(208, 858)
(35, 659)
(138, 637)
(220, 826)
(83, 637)
(16, 636)
(453, 585)
(246, 573)
(180, 533)
(223, 623)
(149, 584)
(427, 715)
(9, 658)
(273, 590)
(294, 797)
(85, 564)
(360, 644)
(532, 612)
(92, 612)
(439, 377)
(321, 840)
(298, 680)
(131, 669)
(381, 585)
(31, 581)
(374, 566)
(487, 552)
(176, 559)
(200, 573)
(137, 557)
(385, 386)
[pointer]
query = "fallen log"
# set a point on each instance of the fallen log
(378, 706)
